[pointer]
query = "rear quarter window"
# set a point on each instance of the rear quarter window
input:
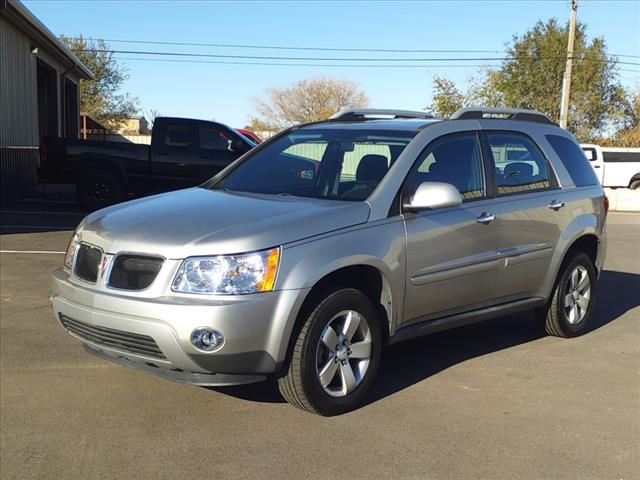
(574, 160)
(621, 156)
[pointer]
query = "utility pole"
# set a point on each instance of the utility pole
(566, 80)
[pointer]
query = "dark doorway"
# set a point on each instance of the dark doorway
(71, 113)
(47, 101)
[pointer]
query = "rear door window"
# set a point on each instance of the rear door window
(621, 156)
(215, 138)
(179, 136)
(574, 160)
(520, 166)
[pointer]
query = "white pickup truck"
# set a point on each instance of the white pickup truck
(615, 167)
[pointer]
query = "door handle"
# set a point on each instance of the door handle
(485, 218)
(596, 166)
(556, 205)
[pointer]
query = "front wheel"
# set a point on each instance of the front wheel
(335, 356)
(634, 185)
(569, 310)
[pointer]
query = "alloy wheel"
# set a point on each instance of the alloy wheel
(343, 353)
(577, 296)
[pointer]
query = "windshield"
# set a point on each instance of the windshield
(325, 163)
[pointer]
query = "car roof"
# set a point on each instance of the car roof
(375, 119)
(411, 125)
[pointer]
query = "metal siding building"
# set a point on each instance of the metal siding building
(39, 95)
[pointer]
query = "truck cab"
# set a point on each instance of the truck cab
(614, 166)
(184, 152)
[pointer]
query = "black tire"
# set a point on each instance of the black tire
(300, 385)
(556, 315)
(98, 189)
(635, 184)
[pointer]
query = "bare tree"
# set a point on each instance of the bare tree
(306, 100)
(151, 115)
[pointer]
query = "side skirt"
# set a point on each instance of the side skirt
(445, 323)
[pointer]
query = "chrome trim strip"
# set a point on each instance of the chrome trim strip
(473, 264)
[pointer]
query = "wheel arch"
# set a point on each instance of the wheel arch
(367, 276)
(584, 234)
(85, 163)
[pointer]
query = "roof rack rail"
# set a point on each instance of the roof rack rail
(376, 113)
(502, 113)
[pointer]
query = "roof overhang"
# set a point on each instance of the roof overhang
(21, 17)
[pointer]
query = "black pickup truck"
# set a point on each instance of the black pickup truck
(183, 152)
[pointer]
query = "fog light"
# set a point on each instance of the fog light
(206, 339)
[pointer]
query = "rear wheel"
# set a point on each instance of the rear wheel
(98, 189)
(335, 356)
(634, 184)
(569, 310)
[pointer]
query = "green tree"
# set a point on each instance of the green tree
(101, 97)
(531, 78)
(447, 99)
(629, 135)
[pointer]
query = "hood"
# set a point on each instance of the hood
(199, 221)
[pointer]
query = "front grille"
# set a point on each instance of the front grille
(117, 339)
(88, 262)
(134, 272)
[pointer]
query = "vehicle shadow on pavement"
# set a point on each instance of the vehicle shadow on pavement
(48, 210)
(413, 361)
(408, 363)
(618, 292)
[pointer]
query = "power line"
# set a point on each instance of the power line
(345, 65)
(321, 59)
(269, 57)
(327, 49)
(316, 49)
(282, 47)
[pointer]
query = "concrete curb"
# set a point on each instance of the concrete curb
(623, 199)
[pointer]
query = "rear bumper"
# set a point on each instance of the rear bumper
(255, 331)
(602, 252)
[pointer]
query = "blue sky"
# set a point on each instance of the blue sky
(223, 92)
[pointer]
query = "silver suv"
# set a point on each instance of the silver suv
(309, 254)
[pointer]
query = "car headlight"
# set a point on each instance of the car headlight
(228, 274)
(71, 252)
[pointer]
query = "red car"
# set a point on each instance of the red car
(250, 135)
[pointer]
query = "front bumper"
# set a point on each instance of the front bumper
(254, 327)
(190, 378)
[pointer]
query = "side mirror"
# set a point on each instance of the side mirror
(431, 195)
(589, 154)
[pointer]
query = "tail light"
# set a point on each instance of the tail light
(44, 153)
(606, 204)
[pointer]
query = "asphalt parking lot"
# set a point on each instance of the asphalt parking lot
(493, 400)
